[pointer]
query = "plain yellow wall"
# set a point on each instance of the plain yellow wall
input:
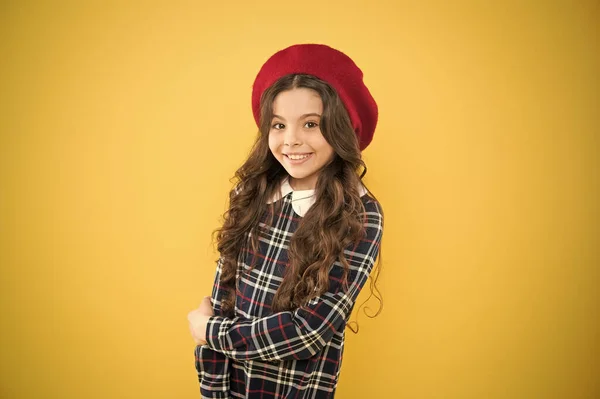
(121, 124)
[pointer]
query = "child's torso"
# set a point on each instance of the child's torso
(257, 287)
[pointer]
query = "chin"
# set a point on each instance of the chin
(295, 174)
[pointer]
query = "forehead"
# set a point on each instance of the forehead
(296, 102)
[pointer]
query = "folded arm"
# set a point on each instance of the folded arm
(300, 334)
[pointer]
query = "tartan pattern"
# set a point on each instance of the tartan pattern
(293, 354)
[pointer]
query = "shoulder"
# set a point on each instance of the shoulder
(372, 206)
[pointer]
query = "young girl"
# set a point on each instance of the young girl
(300, 238)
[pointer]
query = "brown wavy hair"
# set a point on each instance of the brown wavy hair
(332, 223)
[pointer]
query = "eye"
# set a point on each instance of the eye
(278, 124)
(314, 124)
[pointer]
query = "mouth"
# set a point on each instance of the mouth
(296, 159)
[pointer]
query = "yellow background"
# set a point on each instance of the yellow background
(122, 122)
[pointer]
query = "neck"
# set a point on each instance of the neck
(302, 184)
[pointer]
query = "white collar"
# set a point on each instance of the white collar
(302, 200)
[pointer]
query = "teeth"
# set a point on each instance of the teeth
(296, 157)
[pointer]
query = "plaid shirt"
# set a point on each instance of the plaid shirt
(291, 354)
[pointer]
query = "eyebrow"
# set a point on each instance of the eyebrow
(301, 116)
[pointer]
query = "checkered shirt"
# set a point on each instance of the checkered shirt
(292, 354)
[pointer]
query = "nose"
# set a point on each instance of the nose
(291, 136)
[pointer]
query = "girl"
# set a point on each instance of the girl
(299, 239)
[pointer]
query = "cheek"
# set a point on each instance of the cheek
(324, 147)
(272, 143)
(330, 155)
(327, 153)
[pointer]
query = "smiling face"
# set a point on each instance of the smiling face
(295, 137)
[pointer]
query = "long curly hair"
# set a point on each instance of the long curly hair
(332, 223)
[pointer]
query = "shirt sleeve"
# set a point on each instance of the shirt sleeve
(301, 334)
(212, 366)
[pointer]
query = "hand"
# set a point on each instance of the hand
(198, 318)
(206, 307)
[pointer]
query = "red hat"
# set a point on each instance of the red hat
(330, 65)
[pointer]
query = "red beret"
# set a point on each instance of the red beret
(330, 65)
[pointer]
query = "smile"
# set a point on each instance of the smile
(297, 159)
